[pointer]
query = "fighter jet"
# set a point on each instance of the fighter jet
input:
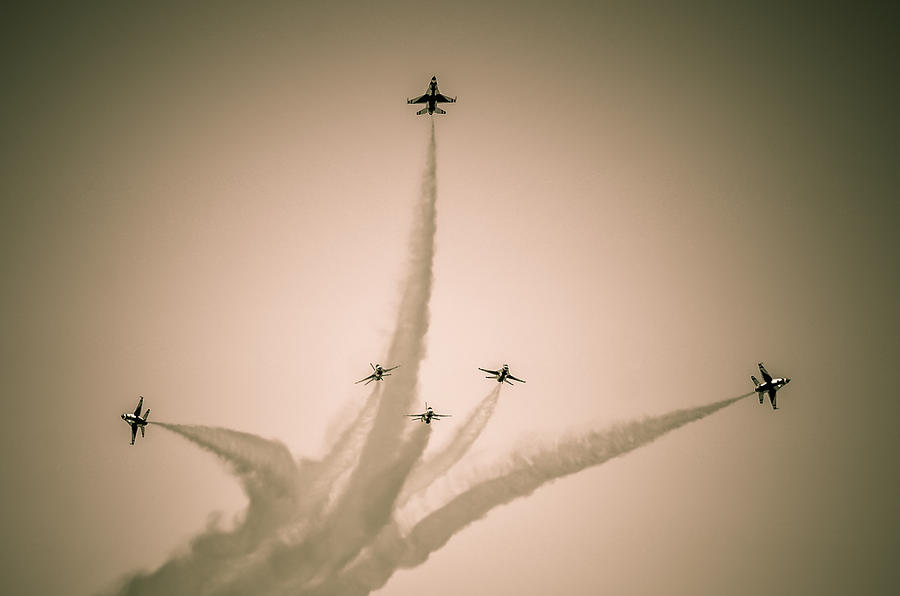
(501, 375)
(769, 385)
(432, 97)
(428, 415)
(378, 374)
(135, 420)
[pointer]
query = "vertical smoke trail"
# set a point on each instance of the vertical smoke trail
(433, 468)
(367, 501)
(521, 476)
(408, 342)
(385, 450)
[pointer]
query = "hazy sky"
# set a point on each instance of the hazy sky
(210, 206)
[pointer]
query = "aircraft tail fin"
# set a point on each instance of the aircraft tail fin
(422, 111)
(146, 415)
(142, 432)
(438, 110)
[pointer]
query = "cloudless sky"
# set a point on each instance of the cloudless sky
(210, 205)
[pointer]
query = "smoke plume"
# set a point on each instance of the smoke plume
(329, 526)
(270, 479)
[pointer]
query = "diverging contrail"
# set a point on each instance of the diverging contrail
(521, 475)
(295, 538)
(429, 470)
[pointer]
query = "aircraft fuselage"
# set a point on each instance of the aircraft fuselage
(432, 96)
(504, 372)
(775, 384)
(132, 419)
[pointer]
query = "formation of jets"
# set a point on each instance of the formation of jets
(379, 373)
(428, 415)
(136, 420)
(769, 385)
(432, 97)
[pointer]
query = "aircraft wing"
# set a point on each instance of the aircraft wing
(133, 432)
(765, 374)
(420, 99)
(493, 372)
(370, 378)
(391, 368)
(442, 415)
(772, 396)
(137, 410)
(417, 416)
(515, 378)
(441, 98)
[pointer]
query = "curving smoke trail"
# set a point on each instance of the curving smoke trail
(270, 479)
(521, 475)
(433, 468)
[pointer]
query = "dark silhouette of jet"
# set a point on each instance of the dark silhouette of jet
(432, 97)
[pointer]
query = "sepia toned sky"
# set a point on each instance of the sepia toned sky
(209, 206)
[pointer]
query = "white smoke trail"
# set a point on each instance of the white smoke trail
(429, 470)
(270, 479)
(408, 343)
(517, 478)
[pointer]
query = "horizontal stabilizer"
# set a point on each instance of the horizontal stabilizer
(146, 414)
(438, 110)
(755, 382)
(422, 111)
(142, 432)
